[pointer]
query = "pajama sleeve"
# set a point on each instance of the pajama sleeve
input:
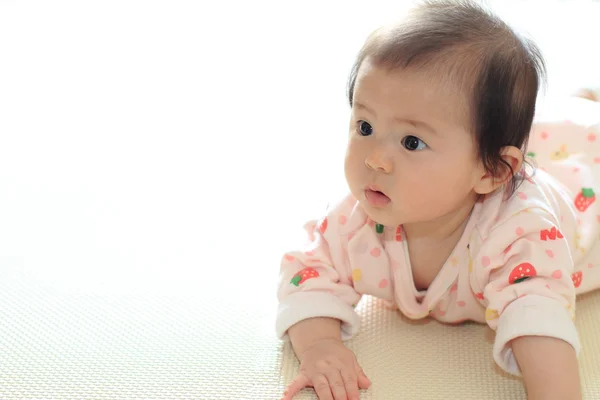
(313, 281)
(525, 272)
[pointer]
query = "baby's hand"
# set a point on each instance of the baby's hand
(331, 368)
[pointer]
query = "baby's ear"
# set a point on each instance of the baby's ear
(489, 182)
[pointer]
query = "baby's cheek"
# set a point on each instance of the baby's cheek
(350, 169)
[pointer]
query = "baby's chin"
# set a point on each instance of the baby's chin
(383, 216)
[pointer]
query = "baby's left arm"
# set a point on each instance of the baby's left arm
(524, 271)
(549, 368)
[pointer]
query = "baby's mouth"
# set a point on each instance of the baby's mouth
(376, 198)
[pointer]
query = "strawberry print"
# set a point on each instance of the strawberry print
(577, 277)
(521, 272)
(584, 199)
(303, 275)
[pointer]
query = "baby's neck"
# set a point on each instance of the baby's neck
(449, 227)
(430, 245)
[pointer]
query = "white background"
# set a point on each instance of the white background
(185, 142)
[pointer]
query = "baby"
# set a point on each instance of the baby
(449, 214)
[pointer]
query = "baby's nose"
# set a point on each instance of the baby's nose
(379, 161)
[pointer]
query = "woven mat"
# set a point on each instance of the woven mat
(177, 342)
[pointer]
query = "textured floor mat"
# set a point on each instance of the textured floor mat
(57, 343)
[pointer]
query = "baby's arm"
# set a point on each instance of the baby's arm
(325, 362)
(306, 333)
(524, 269)
(313, 280)
(549, 367)
(316, 313)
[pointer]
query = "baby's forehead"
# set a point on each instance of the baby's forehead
(435, 91)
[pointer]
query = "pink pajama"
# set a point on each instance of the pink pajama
(517, 267)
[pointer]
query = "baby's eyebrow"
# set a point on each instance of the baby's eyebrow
(362, 106)
(417, 124)
(414, 122)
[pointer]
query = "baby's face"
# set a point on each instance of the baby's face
(410, 158)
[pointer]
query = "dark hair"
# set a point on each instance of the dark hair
(500, 71)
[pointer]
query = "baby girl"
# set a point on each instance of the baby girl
(459, 207)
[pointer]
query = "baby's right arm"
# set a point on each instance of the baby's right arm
(308, 332)
(314, 281)
(325, 363)
(316, 312)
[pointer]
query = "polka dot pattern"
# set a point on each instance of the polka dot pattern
(557, 274)
(379, 257)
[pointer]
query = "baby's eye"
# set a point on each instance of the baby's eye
(364, 128)
(413, 143)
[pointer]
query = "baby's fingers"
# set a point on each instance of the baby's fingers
(351, 383)
(363, 381)
(337, 384)
(297, 385)
(322, 387)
